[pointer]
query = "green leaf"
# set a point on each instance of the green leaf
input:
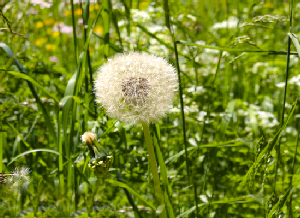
(295, 41)
(164, 175)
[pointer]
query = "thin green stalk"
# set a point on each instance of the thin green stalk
(2, 145)
(196, 72)
(294, 158)
(153, 166)
(74, 32)
(127, 13)
(182, 112)
(285, 92)
(286, 80)
(167, 20)
(106, 22)
(89, 73)
(60, 157)
(290, 205)
(167, 189)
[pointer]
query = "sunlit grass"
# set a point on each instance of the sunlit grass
(217, 149)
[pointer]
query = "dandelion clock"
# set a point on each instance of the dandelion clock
(138, 88)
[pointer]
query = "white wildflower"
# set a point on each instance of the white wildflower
(136, 87)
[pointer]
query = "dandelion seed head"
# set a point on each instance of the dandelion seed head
(136, 87)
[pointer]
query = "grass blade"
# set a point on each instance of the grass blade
(33, 151)
(131, 201)
(163, 172)
(106, 24)
(74, 33)
(295, 41)
(2, 146)
(123, 185)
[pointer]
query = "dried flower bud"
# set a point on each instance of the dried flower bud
(89, 137)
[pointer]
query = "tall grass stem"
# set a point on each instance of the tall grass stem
(285, 93)
(182, 112)
(74, 33)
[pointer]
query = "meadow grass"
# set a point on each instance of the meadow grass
(228, 147)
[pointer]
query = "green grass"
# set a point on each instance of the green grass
(229, 146)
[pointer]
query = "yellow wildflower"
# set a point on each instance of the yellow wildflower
(49, 31)
(50, 47)
(55, 34)
(98, 30)
(39, 24)
(40, 41)
(78, 12)
(91, 49)
(48, 22)
(144, 5)
(67, 13)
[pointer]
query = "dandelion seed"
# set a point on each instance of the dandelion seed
(136, 87)
(17, 180)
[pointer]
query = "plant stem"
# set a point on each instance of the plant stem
(285, 94)
(182, 112)
(2, 145)
(153, 166)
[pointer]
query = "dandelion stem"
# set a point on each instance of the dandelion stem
(153, 165)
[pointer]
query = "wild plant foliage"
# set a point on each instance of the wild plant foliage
(120, 108)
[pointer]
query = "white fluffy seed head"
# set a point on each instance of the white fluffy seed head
(18, 179)
(136, 87)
